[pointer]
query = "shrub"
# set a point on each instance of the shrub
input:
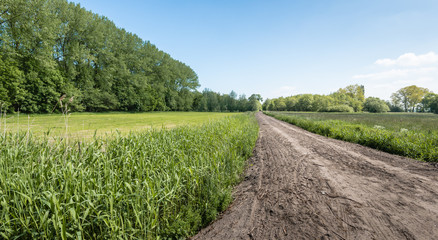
(338, 108)
(375, 105)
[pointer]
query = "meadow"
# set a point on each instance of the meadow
(160, 183)
(418, 122)
(86, 125)
(413, 135)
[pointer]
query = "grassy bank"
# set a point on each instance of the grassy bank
(390, 133)
(163, 183)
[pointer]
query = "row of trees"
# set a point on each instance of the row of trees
(53, 49)
(348, 99)
(352, 99)
(210, 101)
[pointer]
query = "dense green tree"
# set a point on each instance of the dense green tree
(393, 108)
(265, 104)
(255, 102)
(51, 48)
(350, 98)
(409, 97)
(352, 95)
(305, 103)
(11, 80)
(430, 102)
(375, 105)
(209, 100)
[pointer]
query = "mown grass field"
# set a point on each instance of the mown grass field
(86, 125)
(413, 135)
(153, 184)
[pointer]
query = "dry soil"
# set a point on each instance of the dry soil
(299, 185)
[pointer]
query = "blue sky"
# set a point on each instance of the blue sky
(282, 48)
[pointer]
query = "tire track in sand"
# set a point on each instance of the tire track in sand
(299, 185)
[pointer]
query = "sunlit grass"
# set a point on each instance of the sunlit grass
(86, 125)
(411, 135)
(154, 184)
(391, 121)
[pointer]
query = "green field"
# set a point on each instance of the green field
(153, 184)
(413, 135)
(85, 125)
(419, 122)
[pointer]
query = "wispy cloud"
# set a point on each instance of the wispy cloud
(398, 73)
(410, 60)
(407, 69)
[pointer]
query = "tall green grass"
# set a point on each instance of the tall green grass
(156, 184)
(421, 145)
(86, 125)
(418, 122)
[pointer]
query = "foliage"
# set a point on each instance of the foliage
(430, 102)
(409, 97)
(338, 108)
(210, 101)
(375, 105)
(393, 107)
(350, 97)
(52, 47)
(422, 145)
(156, 184)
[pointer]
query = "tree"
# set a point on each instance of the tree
(375, 105)
(430, 102)
(266, 104)
(305, 103)
(352, 95)
(11, 80)
(280, 104)
(291, 103)
(409, 97)
(255, 102)
(393, 107)
(51, 48)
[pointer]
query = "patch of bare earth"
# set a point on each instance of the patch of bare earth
(304, 186)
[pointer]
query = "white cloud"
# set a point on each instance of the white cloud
(393, 74)
(409, 60)
(398, 73)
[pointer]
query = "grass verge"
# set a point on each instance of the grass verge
(155, 184)
(415, 144)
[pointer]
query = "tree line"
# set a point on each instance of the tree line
(352, 99)
(53, 50)
(348, 99)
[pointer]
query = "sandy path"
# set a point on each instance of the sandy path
(304, 186)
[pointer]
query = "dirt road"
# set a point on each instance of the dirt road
(304, 186)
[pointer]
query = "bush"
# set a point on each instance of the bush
(375, 105)
(338, 108)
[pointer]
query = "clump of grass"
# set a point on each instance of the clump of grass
(150, 185)
(415, 144)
